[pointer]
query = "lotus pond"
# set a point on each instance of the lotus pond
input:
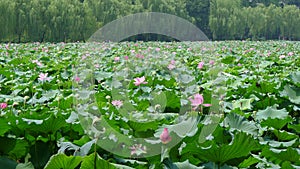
(232, 104)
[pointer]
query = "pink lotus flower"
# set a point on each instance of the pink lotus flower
(97, 65)
(165, 136)
(290, 53)
(126, 57)
(140, 56)
(200, 65)
(37, 62)
(281, 56)
(117, 59)
(45, 50)
(139, 80)
(3, 105)
(171, 66)
(157, 49)
(117, 103)
(77, 79)
(83, 57)
(211, 62)
(239, 64)
(197, 101)
(44, 77)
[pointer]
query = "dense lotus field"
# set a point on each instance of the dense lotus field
(150, 105)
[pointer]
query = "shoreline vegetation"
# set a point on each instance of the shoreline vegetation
(77, 20)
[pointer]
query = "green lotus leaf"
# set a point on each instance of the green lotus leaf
(295, 77)
(20, 149)
(95, 162)
(243, 104)
(187, 164)
(284, 135)
(272, 113)
(292, 93)
(63, 161)
(237, 122)
(40, 154)
(241, 145)
(280, 155)
(4, 126)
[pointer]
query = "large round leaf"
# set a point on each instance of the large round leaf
(63, 161)
(241, 145)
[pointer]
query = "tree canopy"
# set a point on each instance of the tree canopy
(76, 20)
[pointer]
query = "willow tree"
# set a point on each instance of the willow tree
(257, 21)
(290, 25)
(220, 19)
(199, 9)
(21, 18)
(7, 20)
(273, 22)
(38, 20)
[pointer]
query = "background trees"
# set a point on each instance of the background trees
(7, 20)
(199, 9)
(76, 20)
(266, 19)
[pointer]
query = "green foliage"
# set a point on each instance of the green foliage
(40, 154)
(237, 122)
(253, 121)
(292, 93)
(229, 20)
(8, 163)
(63, 161)
(70, 21)
(94, 161)
(200, 10)
(240, 146)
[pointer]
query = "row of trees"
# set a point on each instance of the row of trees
(71, 20)
(76, 20)
(230, 20)
(45, 20)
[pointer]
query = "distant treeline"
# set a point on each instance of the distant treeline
(76, 20)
